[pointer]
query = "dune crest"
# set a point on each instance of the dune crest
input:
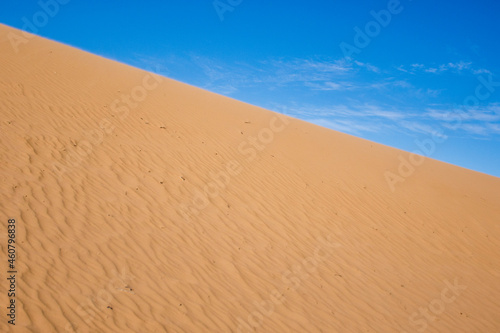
(146, 205)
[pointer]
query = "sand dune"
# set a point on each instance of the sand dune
(146, 205)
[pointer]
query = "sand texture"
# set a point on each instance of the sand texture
(143, 204)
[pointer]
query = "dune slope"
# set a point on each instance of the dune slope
(146, 205)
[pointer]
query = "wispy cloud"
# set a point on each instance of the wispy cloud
(340, 66)
(422, 128)
(359, 118)
(488, 113)
(369, 67)
(453, 67)
(310, 73)
(349, 111)
(328, 85)
(352, 119)
(484, 120)
(345, 125)
(315, 74)
(481, 71)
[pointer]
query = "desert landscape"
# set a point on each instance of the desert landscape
(142, 204)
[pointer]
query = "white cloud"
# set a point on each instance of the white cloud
(490, 113)
(475, 129)
(352, 111)
(423, 128)
(481, 71)
(328, 85)
(484, 121)
(455, 67)
(494, 128)
(402, 69)
(460, 65)
(310, 66)
(346, 126)
(369, 67)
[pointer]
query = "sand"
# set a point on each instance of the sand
(143, 204)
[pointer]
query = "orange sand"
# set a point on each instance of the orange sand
(146, 205)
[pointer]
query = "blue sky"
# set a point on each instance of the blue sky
(395, 72)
